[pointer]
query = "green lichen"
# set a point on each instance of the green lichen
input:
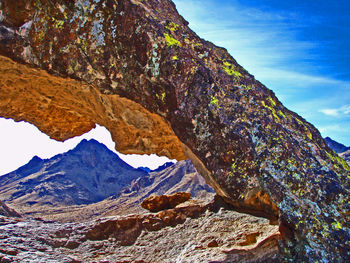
(281, 114)
(214, 101)
(309, 135)
(172, 27)
(59, 24)
(230, 69)
(336, 225)
(170, 41)
(338, 161)
(273, 103)
(161, 96)
(273, 111)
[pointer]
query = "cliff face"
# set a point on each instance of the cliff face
(253, 151)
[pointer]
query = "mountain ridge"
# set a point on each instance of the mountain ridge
(73, 177)
(70, 184)
(336, 146)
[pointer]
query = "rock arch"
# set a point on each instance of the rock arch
(137, 69)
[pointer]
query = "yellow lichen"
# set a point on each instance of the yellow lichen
(230, 69)
(172, 26)
(170, 41)
(214, 100)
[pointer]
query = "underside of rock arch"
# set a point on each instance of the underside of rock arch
(136, 68)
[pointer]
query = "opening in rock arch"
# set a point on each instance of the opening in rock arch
(21, 141)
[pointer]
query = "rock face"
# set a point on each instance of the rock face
(156, 203)
(6, 211)
(253, 151)
(188, 234)
(87, 174)
(336, 146)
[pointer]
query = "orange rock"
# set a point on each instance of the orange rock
(64, 108)
(163, 202)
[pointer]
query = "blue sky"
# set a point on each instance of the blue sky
(299, 49)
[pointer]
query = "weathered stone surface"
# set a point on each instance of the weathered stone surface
(156, 203)
(184, 234)
(64, 108)
(253, 151)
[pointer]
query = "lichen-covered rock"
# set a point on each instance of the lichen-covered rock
(255, 153)
(156, 203)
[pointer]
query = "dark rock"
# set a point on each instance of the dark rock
(9, 251)
(213, 243)
(72, 244)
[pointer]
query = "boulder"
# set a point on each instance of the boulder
(156, 203)
(136, 68)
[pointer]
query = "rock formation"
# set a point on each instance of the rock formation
(136, 68)
(188, 234)
(156, 203)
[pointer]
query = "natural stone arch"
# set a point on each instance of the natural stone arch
(238, 134)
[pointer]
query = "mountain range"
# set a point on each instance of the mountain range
(336, 146)
(91, 181)
(89, 173)
(339, 148)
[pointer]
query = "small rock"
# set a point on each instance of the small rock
(213, 243)
(163, 202)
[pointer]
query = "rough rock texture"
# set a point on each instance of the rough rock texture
(6, 211)
(252, 150)
(193, 234)
(156, 203)
(64, 108)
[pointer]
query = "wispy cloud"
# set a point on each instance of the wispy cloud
(344, 110)
(330, 112)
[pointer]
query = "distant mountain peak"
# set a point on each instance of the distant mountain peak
(336, 146)
(88, 173)
(84, 143)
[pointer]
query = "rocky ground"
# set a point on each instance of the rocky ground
(187, 233)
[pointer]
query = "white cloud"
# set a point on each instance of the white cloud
(344, 110)
(330, 112)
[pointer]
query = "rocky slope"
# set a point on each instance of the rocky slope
(6, 211)
(181, 96)
(341, 149)
(180, 177)
(336, 146)
(87, 174)
(346, 156)
(192, 233)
